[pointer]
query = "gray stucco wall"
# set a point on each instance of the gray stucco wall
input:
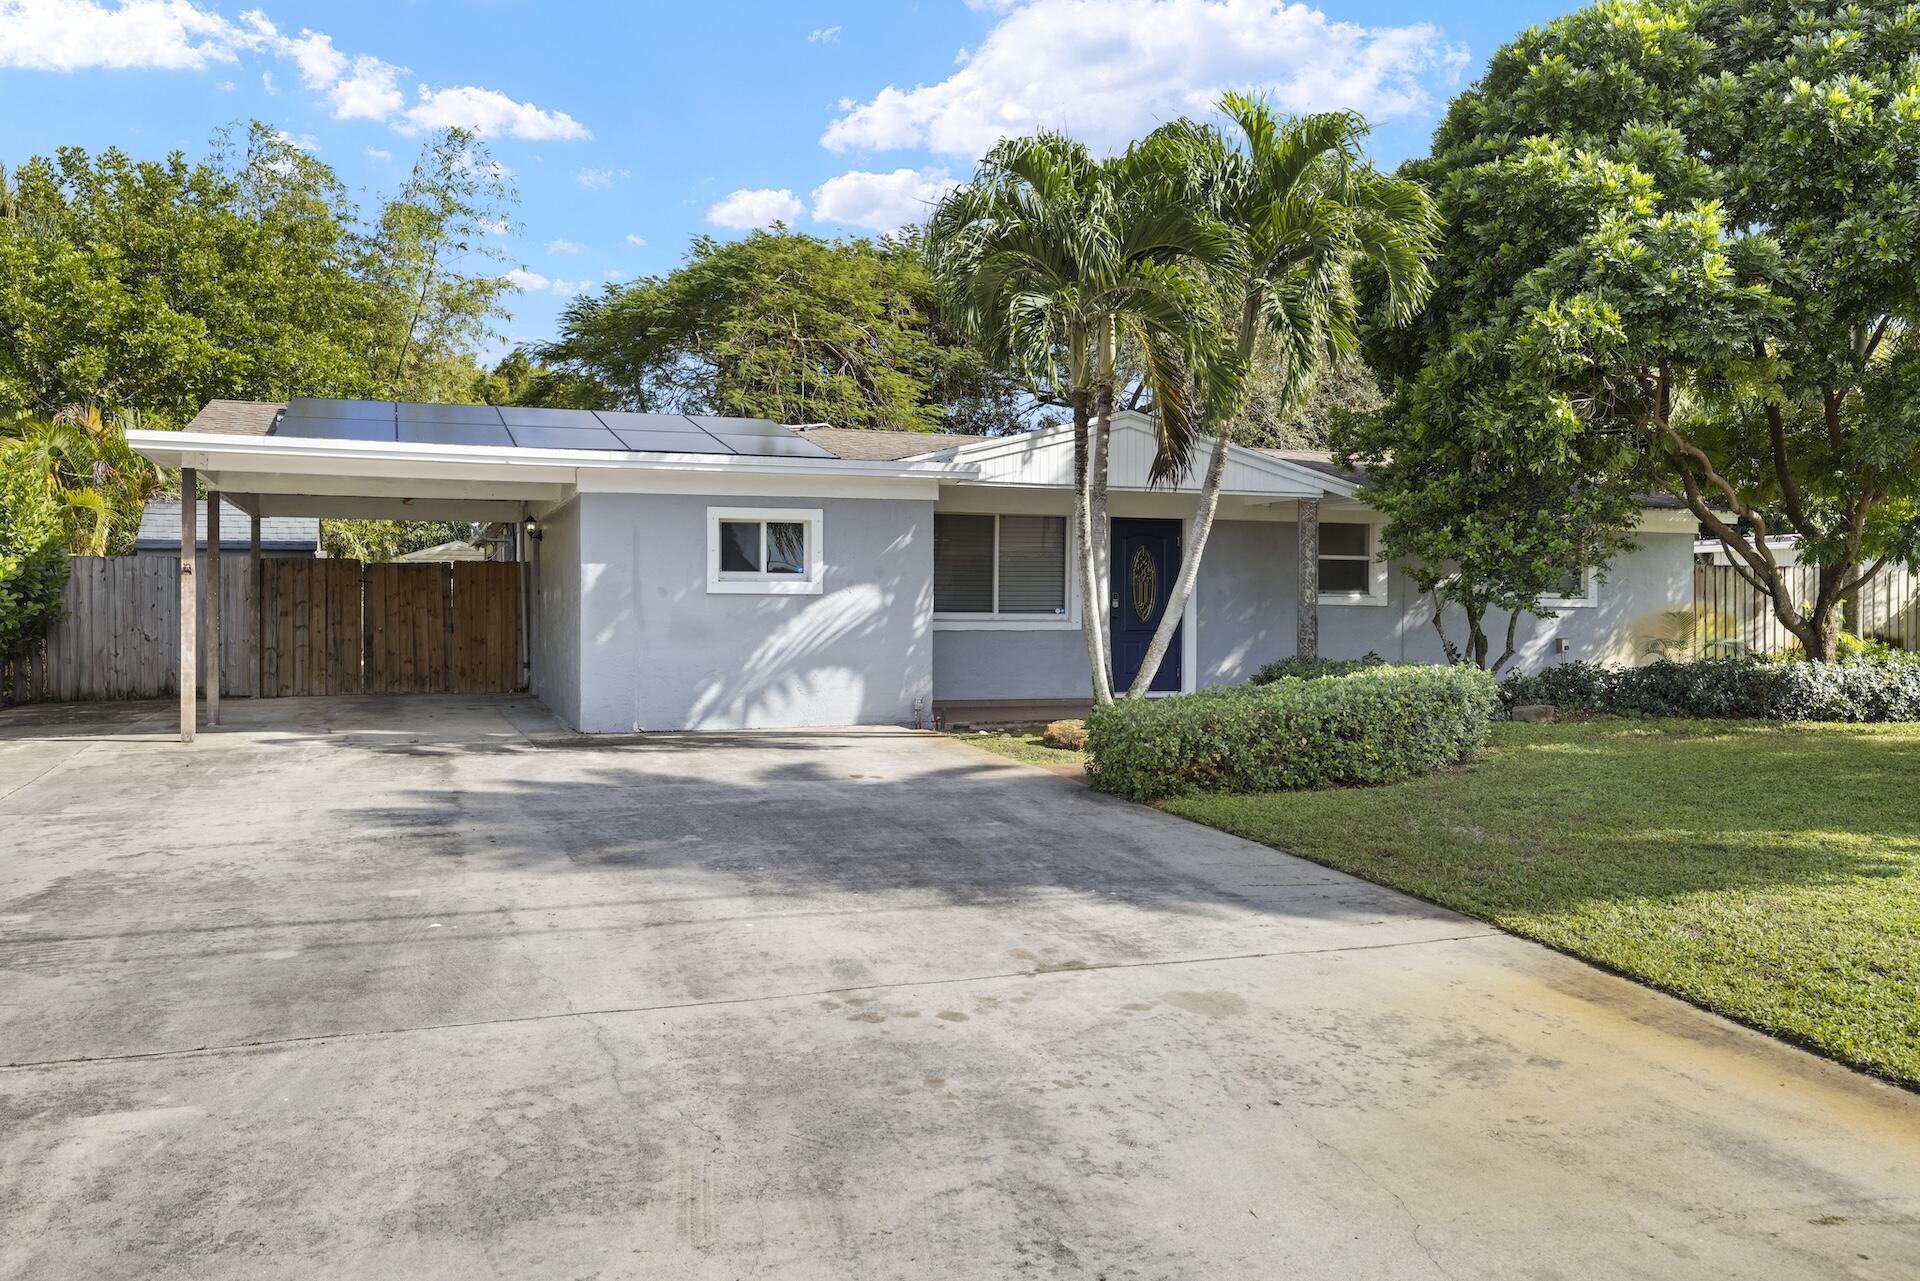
(1246, 602)
(658, 652)
(556, 615)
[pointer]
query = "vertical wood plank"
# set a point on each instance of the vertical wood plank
(189, 640)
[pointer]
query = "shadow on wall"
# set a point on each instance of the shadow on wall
(858, 653)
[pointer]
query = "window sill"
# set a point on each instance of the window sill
(1548, 602)
(1354, 598)
(989, 623)
(764, 587)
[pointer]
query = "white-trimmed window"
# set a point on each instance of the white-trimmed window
(1350, 571)
(765, 551)
(1578, 591)
(1000, 569)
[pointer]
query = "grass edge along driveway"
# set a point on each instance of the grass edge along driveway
(1770, 873)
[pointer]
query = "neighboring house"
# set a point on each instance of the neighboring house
(711, 573)
(159, 533)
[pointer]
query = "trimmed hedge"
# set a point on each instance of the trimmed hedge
(1309, 668)
(1378, 724)
(1860, 689)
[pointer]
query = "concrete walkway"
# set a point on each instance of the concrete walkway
(420, 988)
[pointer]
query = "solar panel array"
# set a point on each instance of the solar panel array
(511, 427)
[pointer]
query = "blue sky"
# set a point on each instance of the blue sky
(630, 127)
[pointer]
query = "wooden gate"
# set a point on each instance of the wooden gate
(428, 630)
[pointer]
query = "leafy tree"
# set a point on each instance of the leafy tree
(1273, 419)
(783, 326)
(33, 560)
(1682, 244)
(520, 380)
(158, 285)
(435, 287)
(380, 540)
(1301, 210)
(1057, 265)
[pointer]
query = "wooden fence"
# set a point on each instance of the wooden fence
(1733, 616)
(317, 627)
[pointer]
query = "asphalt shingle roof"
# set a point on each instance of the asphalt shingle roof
(281, 535)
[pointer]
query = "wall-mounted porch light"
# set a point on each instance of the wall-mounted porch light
(533, 529)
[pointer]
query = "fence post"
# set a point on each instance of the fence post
(189, 483)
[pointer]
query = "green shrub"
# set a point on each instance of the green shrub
(1378, 724)
(1309, 668)
(1860, 689)
(33, 561)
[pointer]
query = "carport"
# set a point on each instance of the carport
(337, 459)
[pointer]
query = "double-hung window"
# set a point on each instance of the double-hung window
(997, 568)
(1349, 573)
(1575, 591)
(770, 551)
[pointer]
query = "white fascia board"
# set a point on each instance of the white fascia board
(392, 459)
(1292, 481)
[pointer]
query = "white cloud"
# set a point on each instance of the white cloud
(266, 82)
(638, 242)
(600, 179)
(563, 247)
(533, 281)
(379, 153)
(616, 276)
(489, 113)
(880, 201)
(756, 208)
(71, 35)
(68, 35)
(569, 288)
(824, 35)
(1107, 73)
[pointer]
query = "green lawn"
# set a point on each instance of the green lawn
(1022, 743)
(1769, 872)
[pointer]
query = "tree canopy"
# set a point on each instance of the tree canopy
(1682, 239)
(157, 285)
(784, 326)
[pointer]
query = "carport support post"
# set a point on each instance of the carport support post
(259, 610)
(189, 483)
(1307, 636)
(213, 607)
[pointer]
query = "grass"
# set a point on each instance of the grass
(1021, 743)
(1768, 872)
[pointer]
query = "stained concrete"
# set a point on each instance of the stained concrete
(424, 988)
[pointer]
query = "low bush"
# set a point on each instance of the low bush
(1068, 736)
(1860, 689)
(1309, 668)
(1377, 724)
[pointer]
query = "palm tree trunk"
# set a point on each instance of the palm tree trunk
(1203, 515)
(1090, 617)
(1097, 516)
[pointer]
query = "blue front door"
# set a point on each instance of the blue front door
(1146, 559)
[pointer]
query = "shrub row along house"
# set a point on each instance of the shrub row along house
(718, 573)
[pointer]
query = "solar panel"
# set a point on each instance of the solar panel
(672, 442)
(578, 419)
(322, 407)
(424, 413)
(788, 446)
(738, 426)
(443, 433)
(622, 421)
(534, 437)
(334, 428)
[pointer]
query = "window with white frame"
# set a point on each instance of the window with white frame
(766, 551)
(1576, 591)
(998, 567)
(1349, 572)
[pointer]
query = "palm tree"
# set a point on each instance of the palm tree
(1052, 262)
(87, 468)
(1303, 210)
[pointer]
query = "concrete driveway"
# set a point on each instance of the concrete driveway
(413, 988)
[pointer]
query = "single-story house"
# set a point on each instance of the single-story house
(693, 572)
(159, 533)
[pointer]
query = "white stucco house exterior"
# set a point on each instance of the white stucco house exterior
(715, 573)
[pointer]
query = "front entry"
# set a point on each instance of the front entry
(1146, 560)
